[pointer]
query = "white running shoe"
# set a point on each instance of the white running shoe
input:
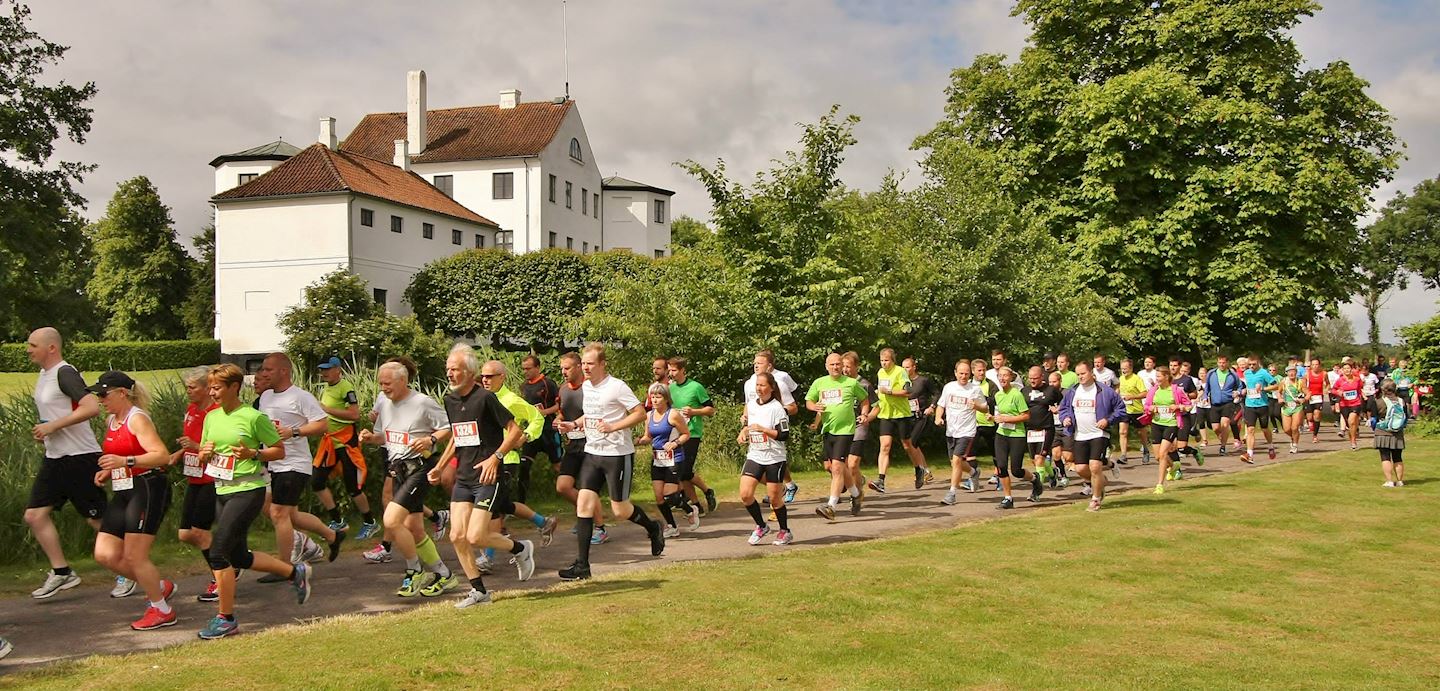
(1388, 484)
(671, 531)
(55, 583)
(482, 563)
(759, 533)
(472, 598)
(377, 555)
(525, 560)
(949, 499)
(124, 587)
(694, 518)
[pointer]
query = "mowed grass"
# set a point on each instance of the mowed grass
(1305, 575)
(24, 382)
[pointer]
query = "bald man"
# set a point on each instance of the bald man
(72, 455)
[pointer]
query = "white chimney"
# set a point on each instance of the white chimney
(415, 111)
(402, 154)
(327, 133)
(509, 98)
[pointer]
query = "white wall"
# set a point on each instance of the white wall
(227, 175)
(388, 260)
(630, 222)
(474, 190)
(555, 218)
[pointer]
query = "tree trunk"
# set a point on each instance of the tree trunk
(1372, 299)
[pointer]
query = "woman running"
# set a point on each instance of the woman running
(1202, 409)
(235, 443)
(132, 458)
(1293, 395)
(666, 431)
(765, 460)
(1166, 404)
(1347, 390)
(197, 509)
(1390, 433)
(1011, 411)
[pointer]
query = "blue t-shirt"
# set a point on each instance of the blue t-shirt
(1255, 383)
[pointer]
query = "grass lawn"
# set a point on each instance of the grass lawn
(1307, 575)
(24, 382)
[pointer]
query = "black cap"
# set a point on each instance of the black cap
(114, 379)
(1050, 356)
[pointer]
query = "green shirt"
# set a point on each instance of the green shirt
(1068, 379)
(244, 425)
(839, 396)
(1164, 401)
(691, 394)
(340, 395)
(1130, 385)
(1403, 380)
(1011, 402)
(526, 415)
(896, 405)
(982, 418)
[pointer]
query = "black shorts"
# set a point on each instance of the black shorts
(896, 426)
(857, 447)
(354, 483)
(1392, 455)
(412, 484)
(1089, 450)
(1259, 415)
(837, 446)
(1312, 407)
(613, 472)
(1274, 406)
(1216, 412)
(1163, 433)
(1042, 447)
(286, 487)
(197, 509)
(685, 467)
(492, 497)
(1066, 442)
(769, 474)
(960, 447)
(138, 510)
(665, 473)
(919, 427)
(1133, 420)
(72, 479)
(549, 444)
(574, 456)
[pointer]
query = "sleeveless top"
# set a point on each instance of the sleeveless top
(120, 441)
(661, 433)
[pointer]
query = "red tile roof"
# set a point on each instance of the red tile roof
(464, 134)
(318, 170)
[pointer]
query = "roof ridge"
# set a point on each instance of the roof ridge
(330, 164)
(568, 101)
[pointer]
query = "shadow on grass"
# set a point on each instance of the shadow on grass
(591, 588)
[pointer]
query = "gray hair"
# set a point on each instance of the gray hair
(199, 374)
(396, 370)
(470, 361)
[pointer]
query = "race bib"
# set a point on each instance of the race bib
(914, 407)
(758, 440)
(1009, 425)
(397, 442)
(958, 401)
(883, 386)
(120, 479)
(1035, 436)
(1317, 399)
(1351, 395)
(576, 433)
(832, 397)
(1084, 404)
(221, 467)
(466, 433)
(1255, 391)
(592, 427)
(192, 467)
(664, 458)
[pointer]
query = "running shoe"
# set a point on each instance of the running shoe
(1094, 504)
(1223, 451)
(576, 571)
(1399, 483)
(694, 519)
(313, 553)
(710, 502)
(671, 531)
(167, 588)
(1007, 503)
(1159, 489)
(1036, 489)
(1062, 482)
(994, 481)
(968, 485)
(482, 563)
(856, 502)
(790, 491)
(439, 586)
(5, 648)
(1387, 483)
(1200, 457)
(154, 619)
(442, 524)
(338, 526)
(1122, 460)
(825, 511)
(124, 587)
(599, 536)
(1294, 448)
(878, 485)
(949, 498)
(919, 478)
(547, 531)
(1145, 458)
(760, 532)
(367, 529)
(335, 546)
(301, 582)
(525, 561)
(1247, 458)
(657, 541)
(929, 476)
(1354, 446)
(219, 627)
(377, 555)
(1272, 453)
(211, 594)
(411, 585)
(1086, 490)
(1179, 473)
(784, 537)
(472, 598)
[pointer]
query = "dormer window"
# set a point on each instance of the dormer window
(575, 150)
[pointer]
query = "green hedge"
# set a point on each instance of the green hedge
(122, 355)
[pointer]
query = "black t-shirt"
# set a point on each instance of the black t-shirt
(486, 419)
(541, 394)
(922, 391)
(1188, 384)
(1039, 401)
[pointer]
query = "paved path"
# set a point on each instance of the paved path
(84, 621)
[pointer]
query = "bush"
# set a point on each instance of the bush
(131, 356)
(338, 317)
(1423, 342)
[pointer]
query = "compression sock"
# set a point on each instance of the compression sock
(427, 550)
(538, 520)
(516, 547)
(834, 501)
(667, 513)
(754, 509)
(641, 519)
(782, 515)
(583, 529)
(413, 564)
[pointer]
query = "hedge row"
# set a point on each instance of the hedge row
(122, 355)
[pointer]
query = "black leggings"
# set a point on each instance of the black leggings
(1010, 456)
(234, 514)
(1392, 455)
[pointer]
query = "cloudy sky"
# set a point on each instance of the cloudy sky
(656, 81)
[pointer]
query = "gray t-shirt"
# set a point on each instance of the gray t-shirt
(572, 406)
(401, 422)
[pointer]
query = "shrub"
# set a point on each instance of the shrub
(131, 356)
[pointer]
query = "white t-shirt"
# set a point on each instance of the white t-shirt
(959, 415)
(293, 407)
(609, 401)
(1371, 383)
(994, 376)
(399, 423)
(1147, 376)
(786, 392)
(1084, 406)
(57, 392)
(771, 415)
(1332, 376)
(1105, 376)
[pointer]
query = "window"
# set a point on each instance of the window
(595, 206)
(659, 253)
(479, 241)
(575, 152)
(367, 218)
(455, 237)
(552, 240)
(427, 230)
(584, 202)
(245, 177)
(552, 189)
(380, 295)
(505, 240)
(397, 224)
(659, 211)
(446, 184)
(570, 243)
(569, 194)
(585, 248)
(502, 186)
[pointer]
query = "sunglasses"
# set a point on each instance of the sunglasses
(488, 376)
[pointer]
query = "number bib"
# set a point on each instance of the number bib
(397, 443)
(832, 397)
(1317, 399)
(1035, 436)
(758, 440)
(1009, 425)
(120, 479)
(1351, 395)
(883, 386)
(466, 433)
(192, 467)
(914, 407)
(664, 459)
(221, 467)
(592, 428)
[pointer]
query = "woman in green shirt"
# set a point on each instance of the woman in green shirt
(1292, 406)
(1010, 411)
(1167, 405)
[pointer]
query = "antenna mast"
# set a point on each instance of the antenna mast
(565, 33)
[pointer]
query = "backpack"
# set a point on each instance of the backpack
(1395, 417)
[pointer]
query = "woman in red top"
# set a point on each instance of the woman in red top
(197, 510)
(1347, 390)
(132, 453)
(1315, 381)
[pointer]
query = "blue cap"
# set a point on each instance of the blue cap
(332, 362)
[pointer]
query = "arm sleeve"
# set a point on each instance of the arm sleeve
(71, 383)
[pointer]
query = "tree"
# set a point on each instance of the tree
(1334, 338)
(338, 316)
(1203, 178)
(1422, 340)
(198, 312)
(43, 249)
(142, 275)
(1416, 225)
(1382, 265)
(687, 232)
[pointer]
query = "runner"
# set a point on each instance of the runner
(836, 398)
(1222, 388)
(1258, 383)
(1103, 374)
(997, 360)
(1202, 409)
(666, 431)
(1370, 386)
(1133, 390)
(572, 408)
(764, 436)
(922, 405)
(1190, 429)
(439, 520)
(493, 376)
(540, 391)
(338, 447)
(197, 510)
(1086, 412)
(1147, 373)
(1332, 377)
(1293, 396)
(1167, 405)
(961, 401)
(1010, 410)
(413, 428)
(1347, 391)
(1060, 456)
(1040, 399)
(1274, 399)
(1405, 385)
(893, 386)
(133, 461)
(694, 403)
(235, 443)
(1390, 434)
(1067, 377)
(850, 365)
(984, 423)
(765, 362)
(482, 432)
(71, 456)
(1316, 386)
(610, 410)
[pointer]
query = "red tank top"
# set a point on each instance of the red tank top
(193, 426)
(1316, 382)
(120, 441)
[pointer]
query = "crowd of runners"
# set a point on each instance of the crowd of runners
(1048, 426)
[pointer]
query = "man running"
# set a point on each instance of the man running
(850, 364)
(922, 406)
(1040, 398)
(1133, 389)
(1258, 385)
(493, 376)
(997, 360)
(960, 402)
(338, 447)
(893, 386)
(1067, 377)
(1222, 387)
(567, 468)
(835, 398)
(984, 423)
(540, 391)
(1103, 374)
(693, 401)
(1315, 385)
(1087, 411)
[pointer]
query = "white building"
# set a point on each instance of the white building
(404, 189)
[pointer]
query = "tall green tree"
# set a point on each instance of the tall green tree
(43, 250)
(1204, 178)
(338, 316)
(687, 232)
(142, 275)
(1416, 225)
(198, 312)
(1382, 265)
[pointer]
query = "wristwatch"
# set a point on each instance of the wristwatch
(129, 461)
(434, 442)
